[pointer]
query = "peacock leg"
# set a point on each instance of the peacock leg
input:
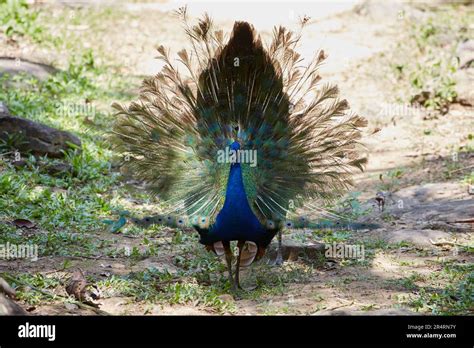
(228, 259)
(279, 257)
(240, 245)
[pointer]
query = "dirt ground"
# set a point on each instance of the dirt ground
(422, 203)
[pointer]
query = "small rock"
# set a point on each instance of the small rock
(24, 223)
(15, 66)
(7, 289)
(465, 53)
(37, 138)
(227, 298)
(9, 307)
(431, 158)
(19, 164)
(390, 311)
(464, 86)
(384, 311)
(71, 306)
(417, 237)
(118, 266)
(3, 109)
(58, 169)
(292, 250)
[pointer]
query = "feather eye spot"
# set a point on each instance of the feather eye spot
(270, 224)
(303, 220)
(180, 221)
(204, 222)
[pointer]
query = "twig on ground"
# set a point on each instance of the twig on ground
(461, 169)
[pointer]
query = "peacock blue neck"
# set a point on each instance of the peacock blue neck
(236, 221)
(236, 197)
(236, 205)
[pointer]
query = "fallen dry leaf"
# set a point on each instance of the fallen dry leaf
(77, 285)
(376, 130)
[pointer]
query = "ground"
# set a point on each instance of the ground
(421, 157)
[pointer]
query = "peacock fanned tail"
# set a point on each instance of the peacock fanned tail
(305, 138)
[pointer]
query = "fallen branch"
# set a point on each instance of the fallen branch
(460, 169)
(341, 306)
(468, 221)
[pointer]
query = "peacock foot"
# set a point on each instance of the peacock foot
(279, 260)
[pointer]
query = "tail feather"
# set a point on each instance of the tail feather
(201, 224)
(304, 137)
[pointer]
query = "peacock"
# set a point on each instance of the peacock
(236, 135)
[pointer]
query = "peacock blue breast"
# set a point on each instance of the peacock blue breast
(236, 220)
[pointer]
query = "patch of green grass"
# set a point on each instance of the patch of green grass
(369, 307)
(405, 263)
(153, 286)
(351, 207)
(269, 309)
(16, 18)
(61, 213)
(425, 61)
(204, 266)
(371, 247)
(69, 205)
(390, 180)
(271, 281)
(469, 178)
(337, 237)
(182, 293)
(148, 286)
(10, 143)
(376, 244)
(37, 280)
(454, 298)
(449, 167)
(409, 282)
